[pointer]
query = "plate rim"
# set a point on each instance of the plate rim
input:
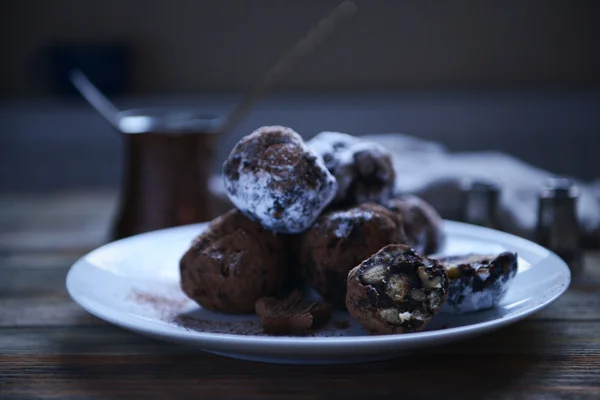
(303, 342)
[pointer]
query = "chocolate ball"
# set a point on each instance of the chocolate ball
(340, 240)
(275, 179)
(232, 264)
(396, 291)
(364, 170)
(423, 225)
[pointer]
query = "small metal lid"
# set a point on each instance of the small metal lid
(559, 188)
(477, 186)
(168, 120)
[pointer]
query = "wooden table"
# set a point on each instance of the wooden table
(51, 348)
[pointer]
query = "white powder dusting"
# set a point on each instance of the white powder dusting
(343, 221)
(343, 229)
(462, 299)
(249, 193)
(331, 143)
(335, 148)
(216, 256)
(339, 150)
(472, 301)
(483, 273)
(254, 192)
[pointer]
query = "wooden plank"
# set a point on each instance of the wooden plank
(104, 339)
(55, 222)
(56, 309)
(29, 206)
(28, 285)
(527, 337)
(574, 305)
(497, 376)
(51, 348)
(50, 305)
(36, 261)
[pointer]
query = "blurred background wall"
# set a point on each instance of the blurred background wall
(519, 76)
(187, 46)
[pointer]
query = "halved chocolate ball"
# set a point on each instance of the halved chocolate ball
(396, 291)
(478, 282)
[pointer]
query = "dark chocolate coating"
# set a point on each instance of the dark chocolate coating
(340, 240)
(275, 179)
(423, 225)
(232, 264)
(364, 170)
(294, 278)
(396, 291)
(478, 282)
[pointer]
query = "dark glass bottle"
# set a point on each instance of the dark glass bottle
(558, 228)
(479, 203)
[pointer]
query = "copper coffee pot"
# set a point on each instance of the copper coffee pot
(168, 158)
(168, 161)
(169, 152)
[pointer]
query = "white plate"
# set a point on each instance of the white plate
(134, 283)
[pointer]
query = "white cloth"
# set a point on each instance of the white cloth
(428, 170)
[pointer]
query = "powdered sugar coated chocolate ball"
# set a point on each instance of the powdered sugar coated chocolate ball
(275, 179)
(232, 264)
(363, 169)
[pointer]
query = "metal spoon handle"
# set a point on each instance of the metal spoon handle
(303, 47)
(93, 96)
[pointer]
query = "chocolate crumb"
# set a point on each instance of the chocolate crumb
(291, 315)
(199, 325)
